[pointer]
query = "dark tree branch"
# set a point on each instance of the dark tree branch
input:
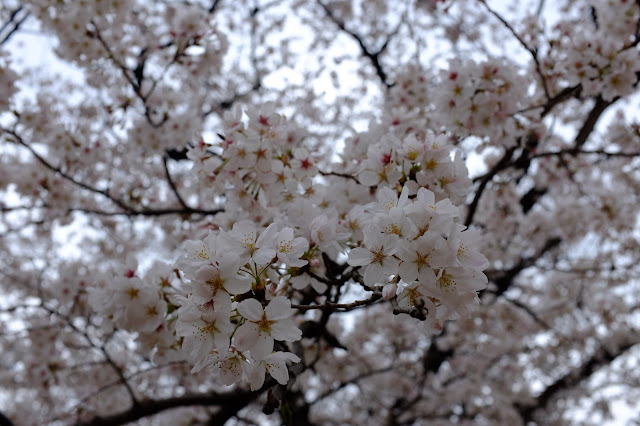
(374, 57)
(230, 404)
(563, 95)
(104, 192)
(532, 50)
(434, 357)
(530, 312)
(589, 124)
(148, 212)
(172, 183)
(599, 359)
(505, 280)
(127, 210)
(522, 162)
(228, 103)
(15, 21)
(355, 380)
(574, 151)
(343, 175)
(343, 307)
(529, 199)
(257, 80)
(5, 421)
(177, 154)
(504, 163)
(214, 6)
(135, 80)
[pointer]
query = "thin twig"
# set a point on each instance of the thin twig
(344, 307)
(172, 184)
(532, 50)
(16, 26)
(366, 52)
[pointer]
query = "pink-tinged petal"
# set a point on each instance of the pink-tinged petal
(278, 370)
(256, 376)
(212, 245)
(222, 303)
(288, 356)
(292, 261)
(238, 284)
(267, 237)
(389, 290)
(369, 177)
(474, 259)
(263, 255)
(408, 271)
(200, 365)
(222, 342)
(246, 336)
(251, 309)
(285, 330)
(372, 275)
(230, 370)
(228, 263)
(285, 235)
(206, 273)
(300, 245)
(244, 232)
(427, 276)
(263, 347)
(279, 308)
(360, 256)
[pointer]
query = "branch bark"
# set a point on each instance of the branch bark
(599, 359)
(230, 404)
(374, 57)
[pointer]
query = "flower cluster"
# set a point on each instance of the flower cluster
(598, 53)
(224, 321)
(425, 259)
(281, 227)
(8, 77)
(130, 303)
(418, 161)
(283, 233)
(470, 97)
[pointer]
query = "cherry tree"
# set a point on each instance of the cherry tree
(319, 212)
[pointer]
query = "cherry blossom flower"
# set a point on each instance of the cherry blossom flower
(263, 326)
(290, 249)
(275, 365)
(223, 275)
(249, 246)
(204, 329)
(229, 366)
(377, 256)
(421, 256)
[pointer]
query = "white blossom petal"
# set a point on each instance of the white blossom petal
(246, 336)
(279, 308)
(251, 309)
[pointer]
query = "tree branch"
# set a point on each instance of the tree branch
(172, 184)
(574, 151)
(230, 403)
(600, 358)
(5, 421)
(504, 163)
(127, 210)
(531, 50)
(344, 307)
(505, 281)
(587, 127)
(372, 56)
(13, 19)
